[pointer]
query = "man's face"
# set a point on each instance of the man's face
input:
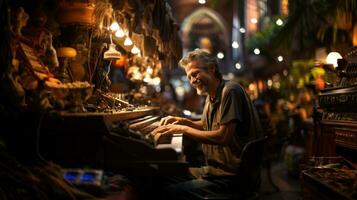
(199, 78)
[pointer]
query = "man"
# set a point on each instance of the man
(228, 122)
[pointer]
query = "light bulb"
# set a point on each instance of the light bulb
(127, 41)
(279, 22)
(135, 50)
(332, 58)
(280, 58)
(254, 20)
(220, 55)
(119, 33)
(235, 44)
(114, 26)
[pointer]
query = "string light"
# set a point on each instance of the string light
(135, 50)
(279, 22)
(235, 44)
(119, 33)
(114, 26)
(127, 41)
(220, 55)
(238, 66)
(280, 58)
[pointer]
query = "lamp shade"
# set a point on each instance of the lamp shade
(111, 53)
(66, 52)
(332, 58)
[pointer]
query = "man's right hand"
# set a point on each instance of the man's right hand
(171, 120)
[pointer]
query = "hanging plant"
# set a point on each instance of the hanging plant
(103, 15)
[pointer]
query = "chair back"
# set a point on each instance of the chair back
(248, 177)
(250, 166)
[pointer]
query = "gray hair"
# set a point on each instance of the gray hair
(205, 60)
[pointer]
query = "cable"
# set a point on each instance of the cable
(110, 63)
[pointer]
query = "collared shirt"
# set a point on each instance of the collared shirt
(231, 103)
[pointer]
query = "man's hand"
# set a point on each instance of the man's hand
(167, 130)
(171, 120)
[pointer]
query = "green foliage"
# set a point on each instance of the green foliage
(215, 4)
(314, 23)
(263, 38)
(303, 72)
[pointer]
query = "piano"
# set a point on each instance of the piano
(337, 132)
(335, 138)
(118, 142)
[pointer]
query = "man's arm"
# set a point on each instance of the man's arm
(221, 136)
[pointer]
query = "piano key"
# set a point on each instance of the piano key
(150, 128)
(176, 143)
(144, 123)
(133, 121)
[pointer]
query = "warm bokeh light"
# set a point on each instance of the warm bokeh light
(280, 58)
(242, 30)
(127, 42)
(202, 1)
(279, 22)
(114, 26)
(254, 20)
(256, 51)
(220, 55)
(119, 33)
(269, 83)
(135, 50)
(285, 72)
(235, 44)
(332, 58)
(238, 66)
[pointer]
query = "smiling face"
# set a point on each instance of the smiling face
(200, 78)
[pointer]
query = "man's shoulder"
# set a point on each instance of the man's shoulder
(232, 86)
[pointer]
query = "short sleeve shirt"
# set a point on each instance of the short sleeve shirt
(231, 104)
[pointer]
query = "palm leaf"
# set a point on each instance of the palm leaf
(313, 23)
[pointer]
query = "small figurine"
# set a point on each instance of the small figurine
(41, 38)
(19, 19)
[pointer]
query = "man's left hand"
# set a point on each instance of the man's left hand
(169, 129)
